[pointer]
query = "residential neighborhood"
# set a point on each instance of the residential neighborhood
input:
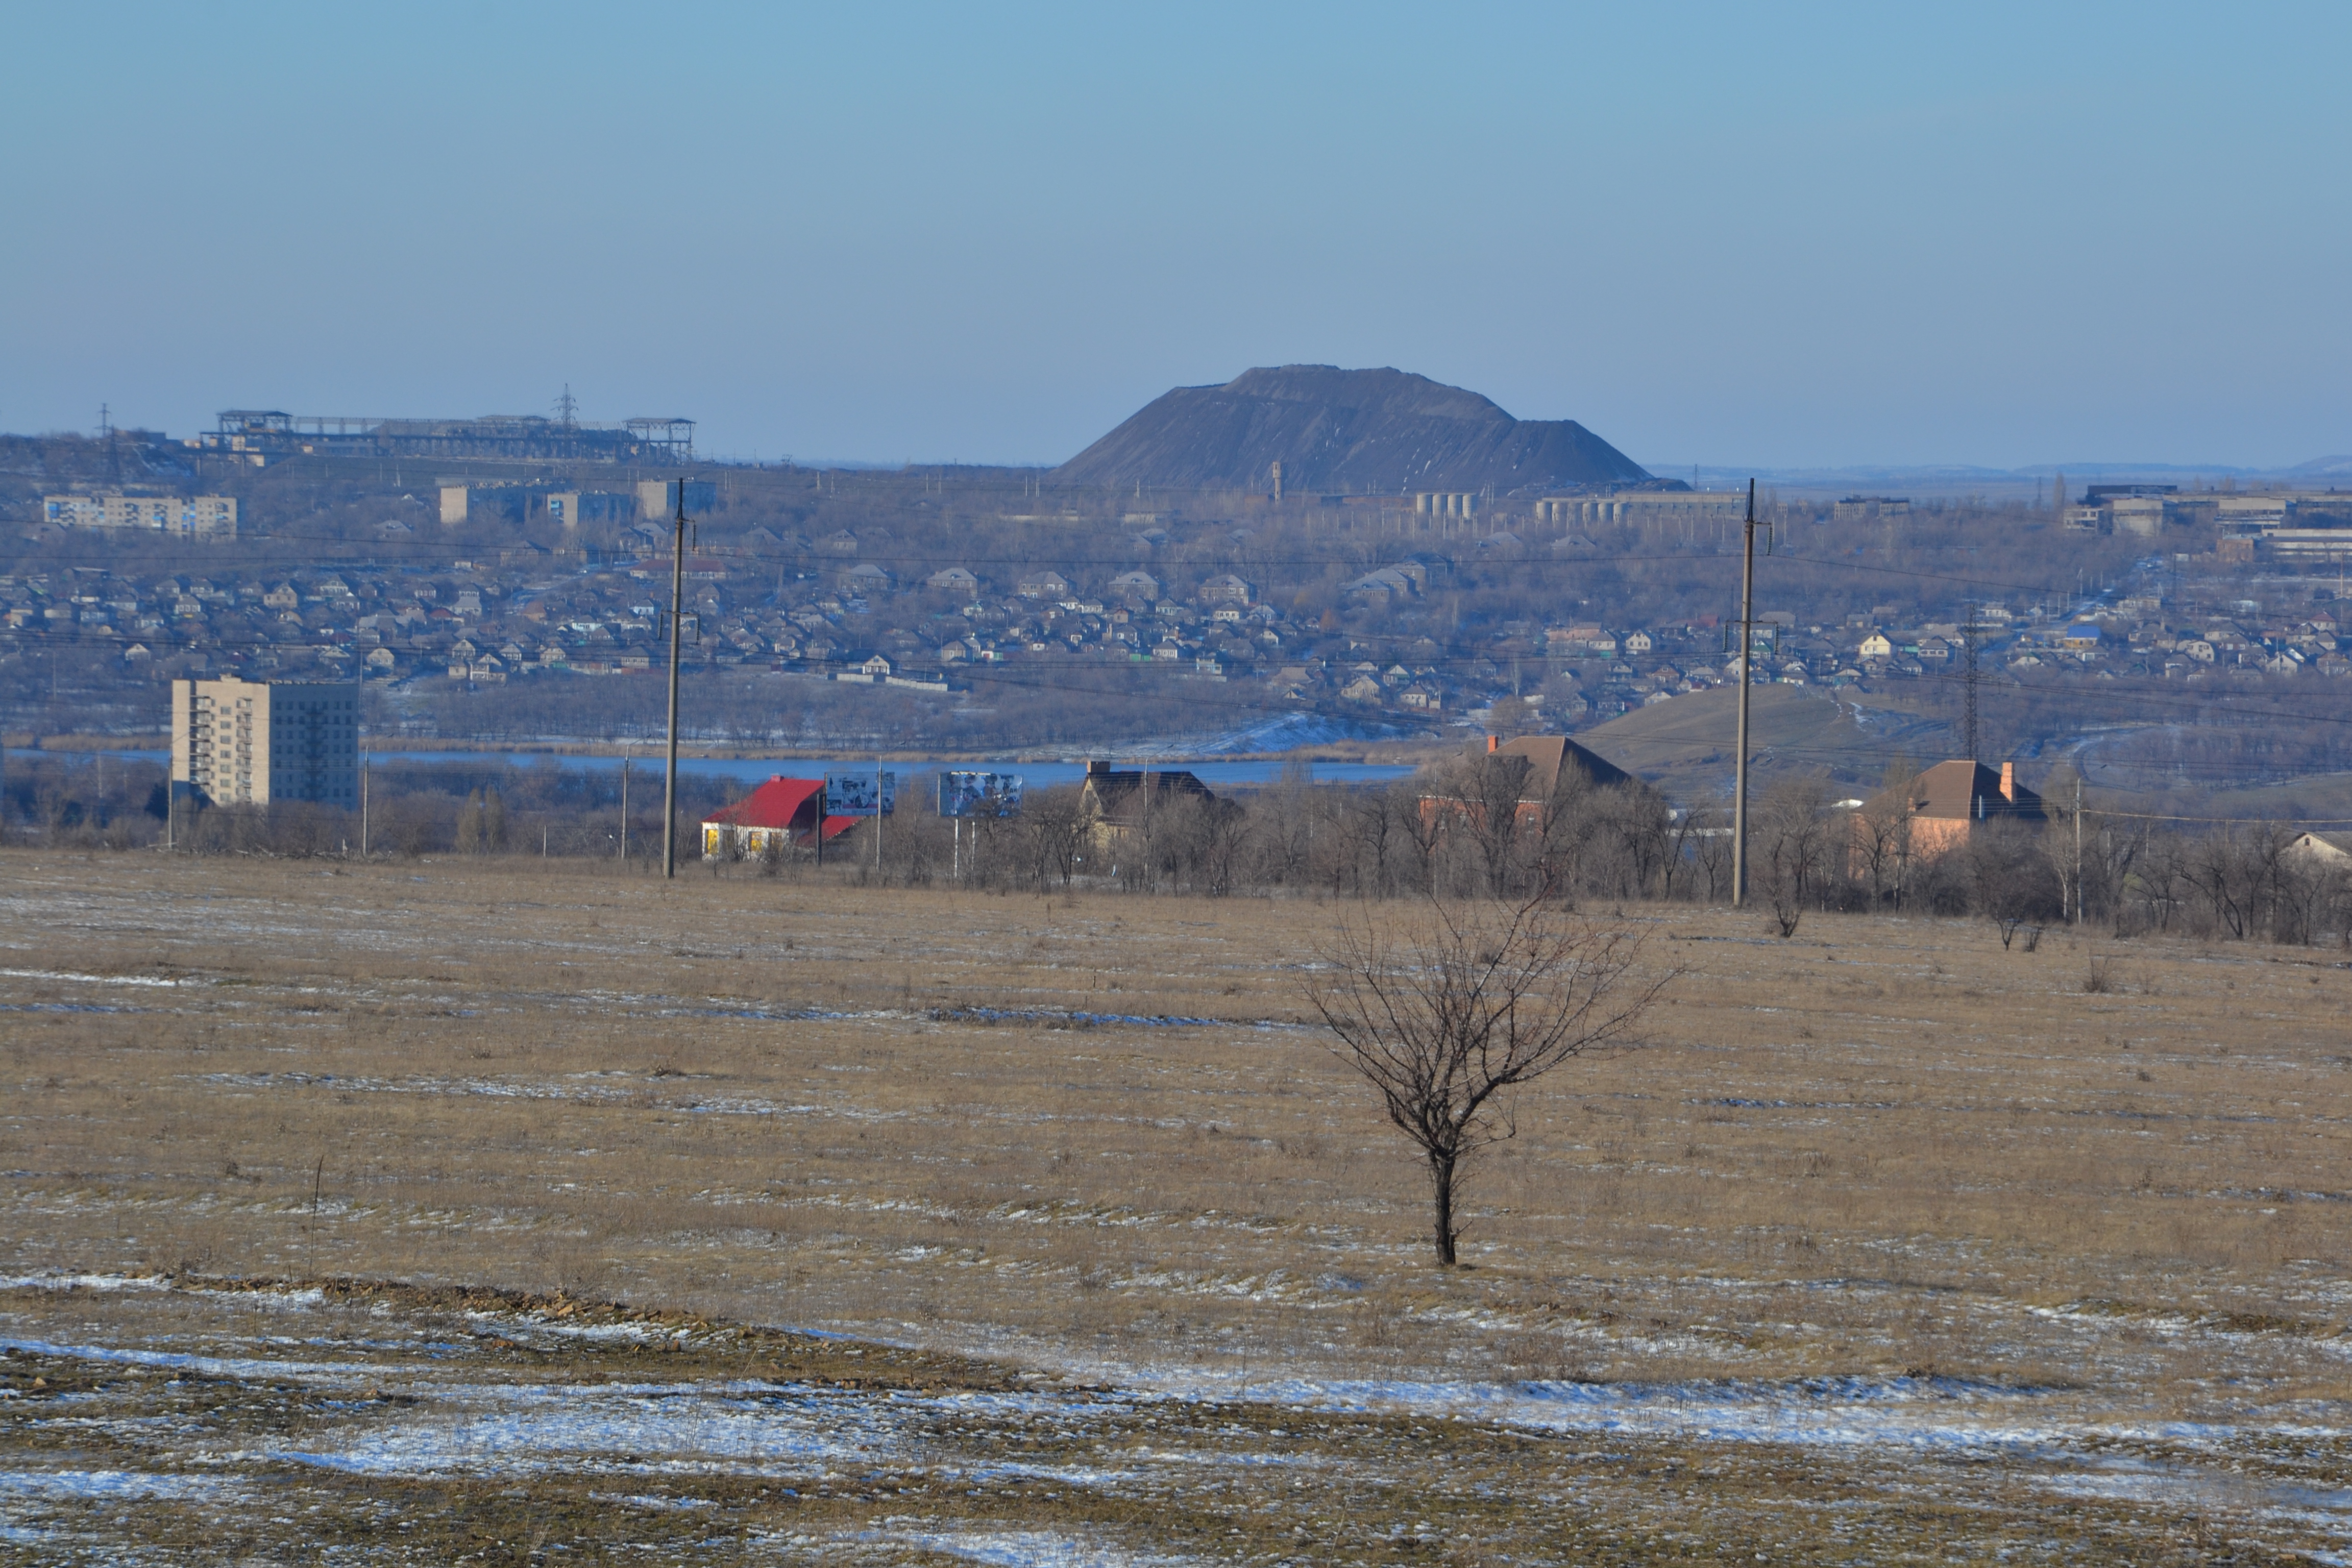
(526, 615)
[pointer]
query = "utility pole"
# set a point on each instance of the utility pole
(2078, 847)
(677, 603)
(363, 803)
(1970, 723)
(1747, 644)
(625, 806)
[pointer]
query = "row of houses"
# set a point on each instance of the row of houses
(1937, 811)
(789, 814)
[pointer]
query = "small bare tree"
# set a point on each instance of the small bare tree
(1475, 1003)
(1053, 830)
(1794, 853)
(1881, 833)
(2010, 882)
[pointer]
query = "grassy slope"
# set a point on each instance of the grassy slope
(1691, 739)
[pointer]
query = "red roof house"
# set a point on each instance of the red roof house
(780, 808)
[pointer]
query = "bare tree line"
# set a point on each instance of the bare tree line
(1461, 830)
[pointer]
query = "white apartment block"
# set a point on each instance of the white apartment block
(198, 517)
(249, 742)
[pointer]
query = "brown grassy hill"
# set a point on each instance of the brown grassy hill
(1686, 745)
(1364, 431)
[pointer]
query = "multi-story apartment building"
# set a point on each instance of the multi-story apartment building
(246, 743)
(198, 517)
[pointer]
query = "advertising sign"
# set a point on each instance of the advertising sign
(859, 794)
(980, 795)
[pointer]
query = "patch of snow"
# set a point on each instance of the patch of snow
(55, 1282)
(637, 1430)
(209, 1366)
(117, 1486)
(94, 979)
(1031, 1549)
(2205, 1491)
(639, 1499)
(1844, 1412)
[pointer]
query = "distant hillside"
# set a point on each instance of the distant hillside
(1689, 744)
(1364, 431)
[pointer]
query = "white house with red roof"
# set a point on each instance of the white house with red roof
(781, 811)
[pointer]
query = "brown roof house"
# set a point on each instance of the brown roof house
(1951, 801)
(1117, 803)
(1538, 772)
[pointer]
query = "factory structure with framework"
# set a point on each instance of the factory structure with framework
(262, 436)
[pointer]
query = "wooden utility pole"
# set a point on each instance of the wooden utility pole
(1968, 722)
(2078, 847)
(1747, 646)
(677, 604)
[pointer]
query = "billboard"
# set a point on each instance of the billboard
(980, 795)
(859, 794)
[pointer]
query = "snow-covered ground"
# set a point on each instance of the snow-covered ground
(397, 1391)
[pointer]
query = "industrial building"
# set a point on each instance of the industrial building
(1869, 508)
(2281, 522)
(263, 435)
(193, 517)
(1643, 506)
(246, 743)
(520, 501)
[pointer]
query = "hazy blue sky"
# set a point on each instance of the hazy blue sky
(1994, 234)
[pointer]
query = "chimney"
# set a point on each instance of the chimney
(2009, 783)
(1095, 766)
(1493, 743)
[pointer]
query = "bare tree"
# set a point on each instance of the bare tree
(1711, 846)
(1476, 1002)
(2061, 840)
(2012, 883)
(1881, 832)
(2227, 873)
(1286, 817)
(1793, 851)
(1477, 802)
(1371, 827)
(1211, 840)
(1054, 829)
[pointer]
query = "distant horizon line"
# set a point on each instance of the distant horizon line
(2332, 465)
(2312, 467)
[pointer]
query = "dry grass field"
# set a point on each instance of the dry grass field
(1886, 1245)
